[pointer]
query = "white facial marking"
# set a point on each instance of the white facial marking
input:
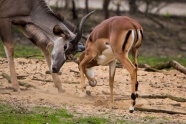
(90, 72)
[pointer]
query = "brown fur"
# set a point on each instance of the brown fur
(113, 32)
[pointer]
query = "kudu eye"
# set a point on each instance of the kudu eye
(65, 47)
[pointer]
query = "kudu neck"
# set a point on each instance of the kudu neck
(43, 17)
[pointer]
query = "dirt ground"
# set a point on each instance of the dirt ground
(97, 103)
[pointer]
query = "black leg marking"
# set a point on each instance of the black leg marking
(137, 86)
(134, 103)
(133, 96)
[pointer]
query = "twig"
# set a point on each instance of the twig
(6, 76)
(37, 79)
(36, 55)
(74, 71)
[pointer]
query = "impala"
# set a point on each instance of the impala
(43, 28)
(110, 41)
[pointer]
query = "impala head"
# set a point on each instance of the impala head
(65, 44)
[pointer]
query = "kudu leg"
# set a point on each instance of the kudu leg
(133, 73)
(55, 77)
(112, 69)
(5, 34)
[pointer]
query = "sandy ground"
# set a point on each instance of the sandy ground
(169, 82)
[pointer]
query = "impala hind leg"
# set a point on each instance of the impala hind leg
(55, 77)
(134, 51)
(5, 34)
(133, 73)
(135, 56)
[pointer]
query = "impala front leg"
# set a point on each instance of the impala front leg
(82, 66)
(89, 72)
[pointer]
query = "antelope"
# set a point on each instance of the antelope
(44, 29)
(110, 41)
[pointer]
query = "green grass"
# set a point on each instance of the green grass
(29, 50)
(21, 50)
(155, 60)
(42, 115)
(48, 115)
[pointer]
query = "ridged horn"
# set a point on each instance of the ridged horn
(80, 30)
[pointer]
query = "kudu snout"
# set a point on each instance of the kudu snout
(66, 45)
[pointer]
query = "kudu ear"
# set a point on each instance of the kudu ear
(57, 30)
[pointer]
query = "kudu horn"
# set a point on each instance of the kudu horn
(79, 34)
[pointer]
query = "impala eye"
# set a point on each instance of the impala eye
(65, 47)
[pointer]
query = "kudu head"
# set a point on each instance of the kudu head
(65, 44)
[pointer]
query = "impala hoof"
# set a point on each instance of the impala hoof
(92, 83)
(131, 109)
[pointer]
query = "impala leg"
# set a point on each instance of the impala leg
(55, 77)
(89, 72)
(112, 69)
(5, 34)
(82, 67)
(133, 72)
(135, 56)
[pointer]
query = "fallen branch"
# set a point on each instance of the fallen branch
(37, 79)
(178, 66)
(37, 55)
(74, 71)
(169, 64)
(158, 111)
(178, 99)
(6, 76)
(22, 77)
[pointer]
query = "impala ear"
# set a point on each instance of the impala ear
(57, 30)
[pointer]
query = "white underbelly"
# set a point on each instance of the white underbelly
(106, 57)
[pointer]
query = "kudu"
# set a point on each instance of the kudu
(111, 40)
(43, 28)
